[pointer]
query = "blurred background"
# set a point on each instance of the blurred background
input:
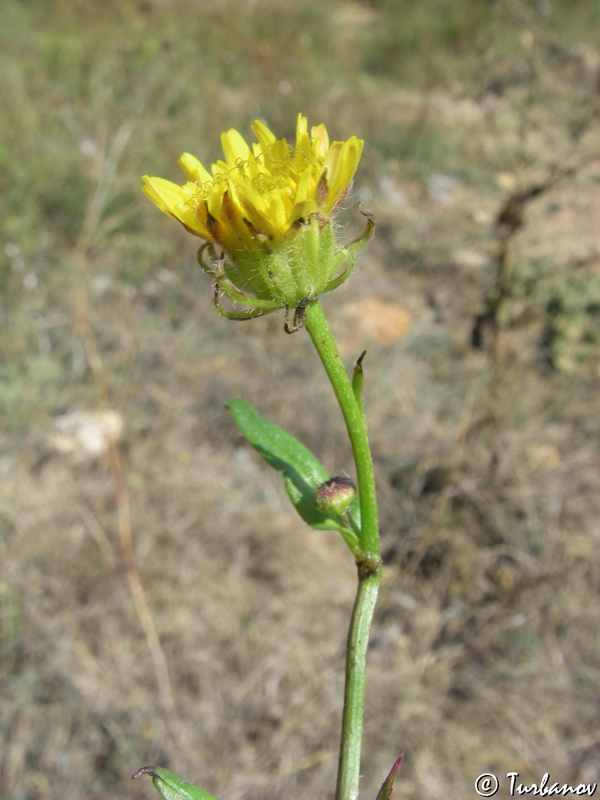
(160, 602)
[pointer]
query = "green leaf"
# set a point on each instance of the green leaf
(171, 787)
(302, 471)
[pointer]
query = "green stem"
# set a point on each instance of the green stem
(318, 329)
(354, 691)
(368, 562)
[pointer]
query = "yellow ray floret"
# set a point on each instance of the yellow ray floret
(259, 193)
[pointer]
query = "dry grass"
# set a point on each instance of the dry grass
(485, 648)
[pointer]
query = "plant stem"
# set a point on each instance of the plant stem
(318, 329)
(354, 690)
(369, 562)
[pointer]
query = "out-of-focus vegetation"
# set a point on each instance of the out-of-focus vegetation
(150, 565)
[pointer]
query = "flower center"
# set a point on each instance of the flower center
(277, 175)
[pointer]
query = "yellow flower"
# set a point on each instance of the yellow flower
(264, 213)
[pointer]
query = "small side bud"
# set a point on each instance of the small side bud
(335, 496)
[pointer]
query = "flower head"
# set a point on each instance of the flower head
(264, 213)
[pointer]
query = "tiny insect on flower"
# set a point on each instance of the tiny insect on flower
(265, 215)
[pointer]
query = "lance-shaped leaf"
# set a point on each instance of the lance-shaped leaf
(302, 472)
(358, 379)
(171, 787)
(388, 785)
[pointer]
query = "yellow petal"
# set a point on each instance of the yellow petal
(320, 139)
(193, 168)
(265, 136)
(163, 193)
(234, 147)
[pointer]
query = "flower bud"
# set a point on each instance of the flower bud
(335, 496)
